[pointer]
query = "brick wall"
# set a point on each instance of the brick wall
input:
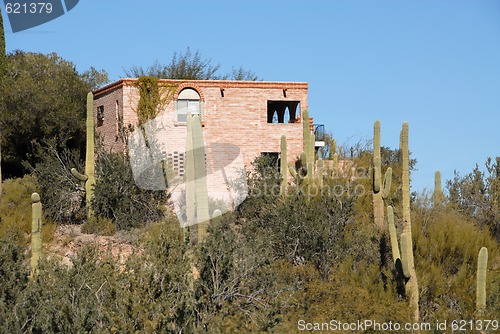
(239, 118)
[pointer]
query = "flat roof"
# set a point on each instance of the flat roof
(209, 83)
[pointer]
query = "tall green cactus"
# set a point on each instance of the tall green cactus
(438, 192)
(196, 178)
(482, 265)
(381, 189)
(36, 232)
(283, 166)
(411, 286)
(89, 176)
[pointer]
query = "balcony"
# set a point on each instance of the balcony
(319, 135)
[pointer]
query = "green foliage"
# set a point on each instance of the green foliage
(190, 66)
(149, 98)
(63, 197)
(477, 195)
(116, 196)
(260, 269)
(45, 99)
(446, 252)
(99, 226)
(15, 206)
(13, 277)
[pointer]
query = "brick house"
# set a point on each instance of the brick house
(253, 115)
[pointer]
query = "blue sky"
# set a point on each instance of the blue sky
(435, 64)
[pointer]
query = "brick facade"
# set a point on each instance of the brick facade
(233, 112)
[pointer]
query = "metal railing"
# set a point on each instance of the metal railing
(319, 132)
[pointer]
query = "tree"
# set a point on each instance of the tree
(44, 98)
(189, 66)
(477, 195)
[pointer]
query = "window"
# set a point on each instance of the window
(100, 115)
(188, 102)
(271, 159)
(283, 111)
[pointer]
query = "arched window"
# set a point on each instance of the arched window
(188, 101)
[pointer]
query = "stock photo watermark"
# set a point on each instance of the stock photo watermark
(24, 14)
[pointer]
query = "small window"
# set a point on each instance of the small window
(188, 102)
(271, 159)
(100, 115)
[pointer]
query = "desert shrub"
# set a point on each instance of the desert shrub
(13, 277)
(15, 205)
(63, 196)
(99, 226)
(75, 299)
(158, 294)
(117, 197)
(446, 249)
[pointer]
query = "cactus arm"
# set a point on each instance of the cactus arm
(79, 176)
(392, 233)
(291, 169)
(216, 215)
(386, 186)
(405, 256)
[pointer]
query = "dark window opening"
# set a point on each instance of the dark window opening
(100, 115)
(283, 111)
(272, 159)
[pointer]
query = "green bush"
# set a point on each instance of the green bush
(99, 226)
(116, 196)
(63, 196)
(15, 205)
(14, 272)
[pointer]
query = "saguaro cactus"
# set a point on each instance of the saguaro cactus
(36, 232)
(381, 189)
(411, 286)
(89, 176)
(196, 179)
(438, 192)
(283, 166)
(482, 264)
